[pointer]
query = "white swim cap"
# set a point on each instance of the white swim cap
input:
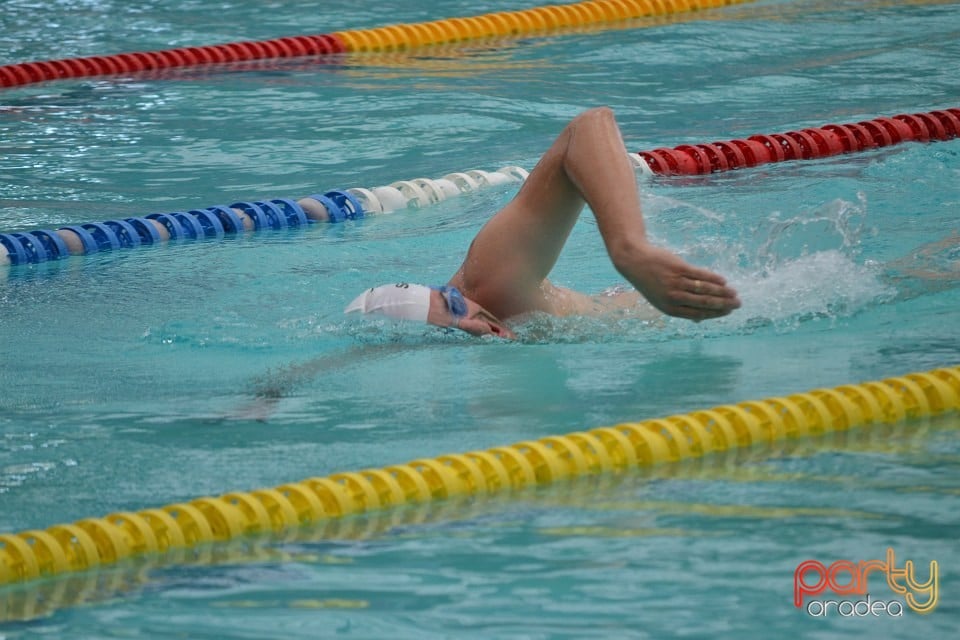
(401, 301)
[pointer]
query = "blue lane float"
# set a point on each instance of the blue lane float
(345, 202)
(220, 220)
(170, 223)
(336, 213)
(106, 238)
(293, 211)
(53, 243)
(145, 229)
(204, 223)
(124, 232)
(89, 242)
(15, 251)
(228, 218)
(197, 224)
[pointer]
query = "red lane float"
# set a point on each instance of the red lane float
(32, 72)
(821, 142)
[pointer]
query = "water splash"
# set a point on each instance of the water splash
(786, 292)
(838, 225)
(787, 271)
(797, 268)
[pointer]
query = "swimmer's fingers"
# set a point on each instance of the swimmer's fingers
(702, 300)
(708, 290)
(697, 313)
(713, 296)
(694, 273)
(676, 287)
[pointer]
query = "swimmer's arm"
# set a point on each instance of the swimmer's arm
(268, 389)
(515, 251)
(621, 302)
(596, 163)
(628, 303)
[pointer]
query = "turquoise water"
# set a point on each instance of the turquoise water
(132, 379)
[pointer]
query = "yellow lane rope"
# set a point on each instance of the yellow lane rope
(524, 22)
(91, 542)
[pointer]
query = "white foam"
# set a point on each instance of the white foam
(822, 284)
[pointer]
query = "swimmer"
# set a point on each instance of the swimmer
(929, 268)
(504, 274)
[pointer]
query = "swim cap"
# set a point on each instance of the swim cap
(401, 301)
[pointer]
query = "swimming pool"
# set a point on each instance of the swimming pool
(128, 378)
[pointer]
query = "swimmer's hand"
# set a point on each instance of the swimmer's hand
(674, 286)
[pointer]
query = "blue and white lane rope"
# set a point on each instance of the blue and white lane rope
(217, 221)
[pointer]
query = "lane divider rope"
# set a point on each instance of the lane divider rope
(41, 598)
(524, 22)
(219, 221)
(805, 144)
(521, 23)
(91, 542)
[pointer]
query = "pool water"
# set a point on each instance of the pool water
(152, 376)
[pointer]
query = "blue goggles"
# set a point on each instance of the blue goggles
(456, 303)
